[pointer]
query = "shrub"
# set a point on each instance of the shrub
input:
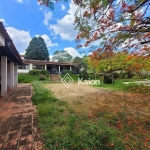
(108, 79)
(44, 72)
(67, 71)
(33, 72)
(91, 75)
(83, 74)
(42, 77)
(38, 72)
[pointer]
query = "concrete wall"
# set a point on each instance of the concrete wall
(4, 75)
(8, 74)
(22, 70)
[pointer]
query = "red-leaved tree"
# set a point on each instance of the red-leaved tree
(115, 24)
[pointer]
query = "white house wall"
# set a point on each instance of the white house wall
(54, 68)
(23, 71)
(8, 74)
(15, 75)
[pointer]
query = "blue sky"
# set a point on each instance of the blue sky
(25, 19)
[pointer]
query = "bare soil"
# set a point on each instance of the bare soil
(84, 98)
(128, 112)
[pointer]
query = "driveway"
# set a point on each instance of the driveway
(18, 121)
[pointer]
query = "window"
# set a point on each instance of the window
(25, 66)
(38, 67)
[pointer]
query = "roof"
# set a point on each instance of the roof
(10, 51)
(41, 62)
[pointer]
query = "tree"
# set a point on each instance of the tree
(61, 56)
(121, 24)
(80, 63)
(124, 62)
(77, 61)
(37, 50)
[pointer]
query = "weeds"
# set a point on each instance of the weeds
(41, 95)
(63, 129)
(26, 78)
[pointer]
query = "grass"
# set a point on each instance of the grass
(73, 76)
(41, 95)
(131, 87)
(63, 129)
(26, 78)
(107, 128)
(118, 85)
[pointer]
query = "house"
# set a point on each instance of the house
(51, 67)
(9, 61)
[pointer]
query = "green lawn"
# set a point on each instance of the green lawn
(131, 87)
(26, 78)
(63, 129)
(118, 85)
(73, 76)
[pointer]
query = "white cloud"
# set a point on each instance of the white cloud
(2, 20)
(20, 38)
(22, 1)
(47, 40)
(40, 8)
(47, 17)
(72, 52)
(23, 53)
(50, 57)
(90, 53)
(19, 1)
(63, 7)
(64, 26)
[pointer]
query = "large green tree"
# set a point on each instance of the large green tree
(62, 56)
(77, 61)
(37, 49)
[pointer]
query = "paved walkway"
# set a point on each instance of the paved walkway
(18, 121)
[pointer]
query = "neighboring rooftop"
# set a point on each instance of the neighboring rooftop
(27, 61)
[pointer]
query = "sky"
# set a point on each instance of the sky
(25, 19)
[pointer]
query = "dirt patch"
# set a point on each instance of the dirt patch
(128, 112)
(78, 96)
(88, 99)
